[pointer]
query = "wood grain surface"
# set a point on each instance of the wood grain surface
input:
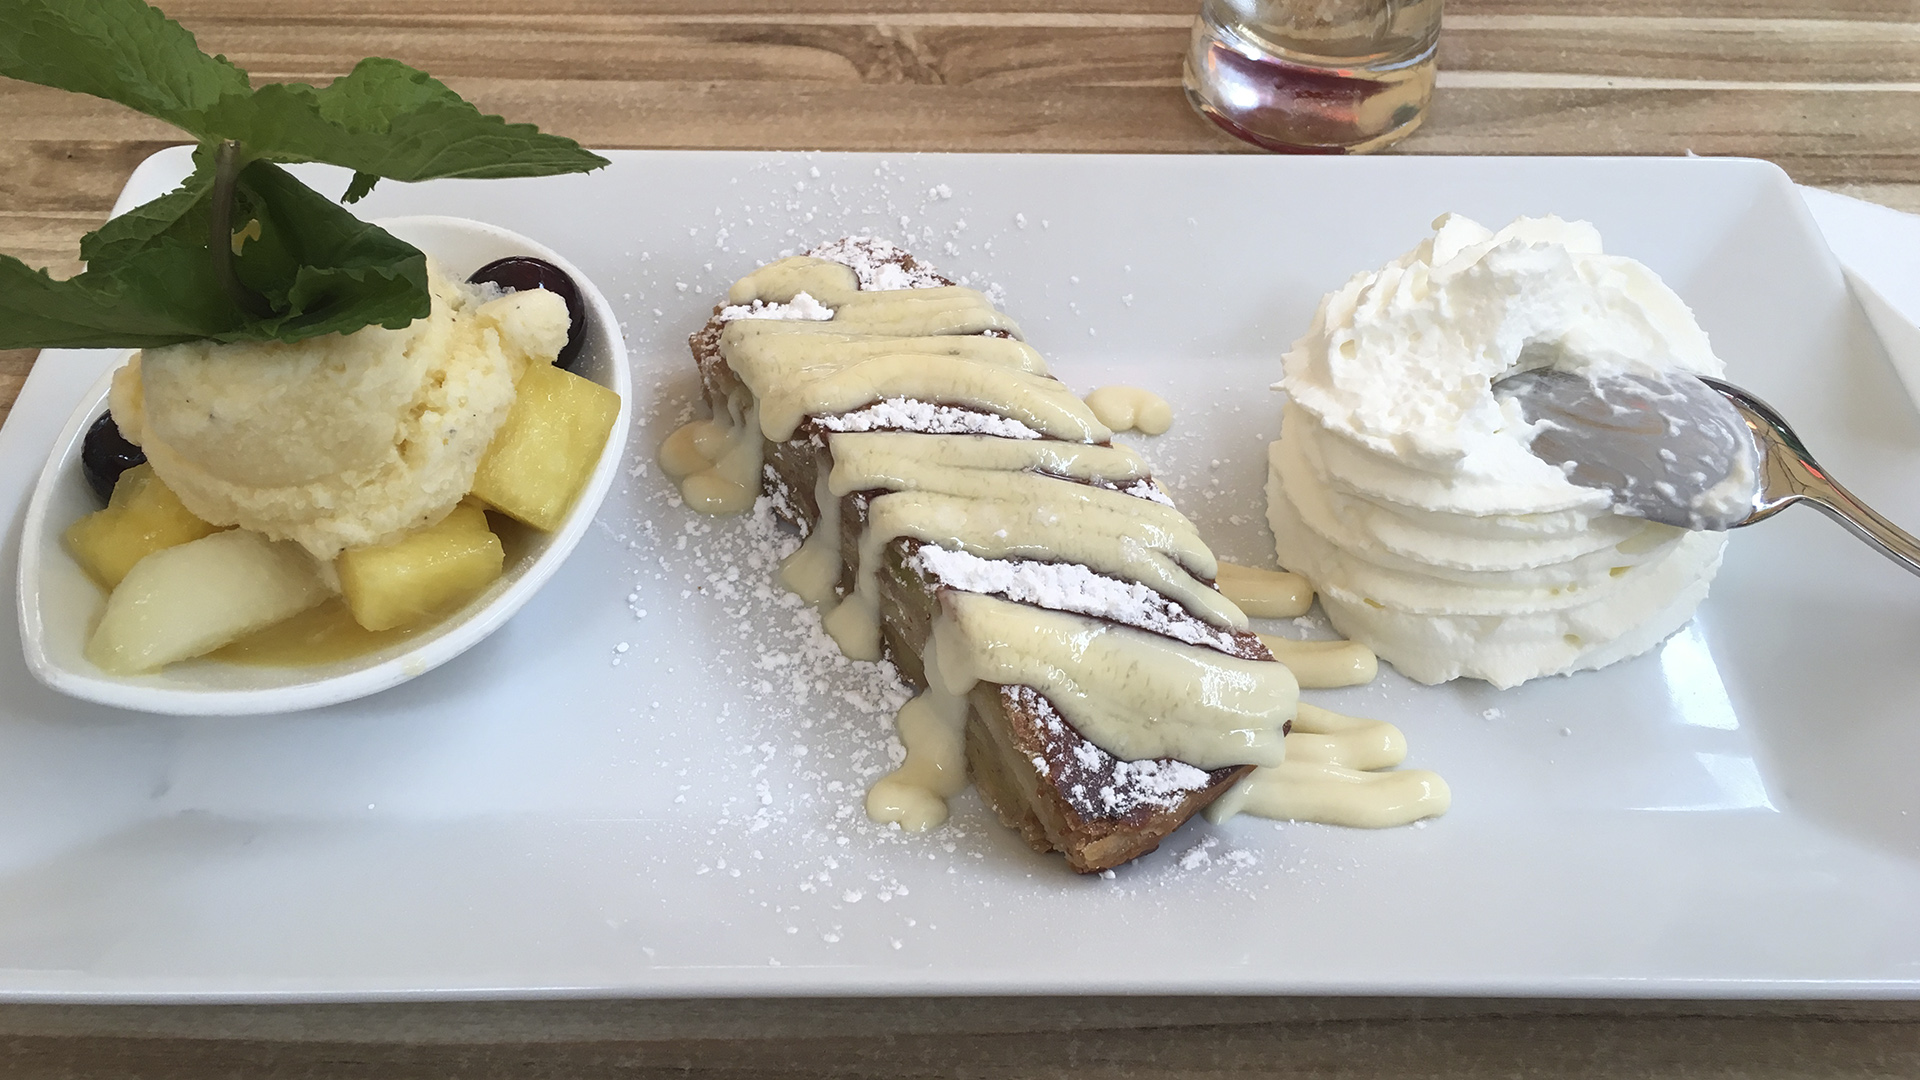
(1830, 91)
(1098, 1038)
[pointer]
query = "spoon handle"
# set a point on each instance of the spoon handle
(1791, 476)
(1860, 519)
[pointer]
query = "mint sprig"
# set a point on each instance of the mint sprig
(297, 264)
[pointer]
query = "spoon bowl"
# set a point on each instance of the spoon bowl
(1670, 450)
(1692, 452)
(59, 603)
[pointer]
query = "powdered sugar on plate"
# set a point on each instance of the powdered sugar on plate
(782, 810)
(1202, 855)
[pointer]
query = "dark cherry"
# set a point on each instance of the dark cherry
(106, 454)
(523, 272)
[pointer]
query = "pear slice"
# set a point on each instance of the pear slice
(187, 600)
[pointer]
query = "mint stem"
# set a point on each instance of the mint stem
(226, 174)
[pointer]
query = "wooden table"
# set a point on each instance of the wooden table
(1830, 91)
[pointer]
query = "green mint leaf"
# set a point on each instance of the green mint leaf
(357, 190)
(324, 270)
(121, 50)
(386, 119)
(150, 277)
(181, 212)
(151, 282)
(161, 294)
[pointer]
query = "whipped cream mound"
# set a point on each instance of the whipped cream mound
(1405, 490)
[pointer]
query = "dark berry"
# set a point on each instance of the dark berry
(106, 454)
(522, 272)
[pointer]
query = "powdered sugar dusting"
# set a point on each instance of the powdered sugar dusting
(1201, 855)
(1147, 489)
(879, 264)
(760, 742)
(802, 307)
(1098, 785)
(1163, 782)
(779, 500)
(906, 414)
(1068, 587)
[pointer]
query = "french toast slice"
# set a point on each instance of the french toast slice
(1045, 780)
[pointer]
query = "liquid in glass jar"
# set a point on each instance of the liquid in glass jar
(1314, 76)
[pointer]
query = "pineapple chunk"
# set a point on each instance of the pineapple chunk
(193, 598)
(548, 446)
(422, 573)
(143, 517)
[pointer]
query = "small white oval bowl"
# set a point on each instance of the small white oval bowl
(59, 604)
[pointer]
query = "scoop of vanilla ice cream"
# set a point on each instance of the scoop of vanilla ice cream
(1404, 488)
(344, 440)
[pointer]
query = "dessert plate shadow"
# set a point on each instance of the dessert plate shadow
(58, 603)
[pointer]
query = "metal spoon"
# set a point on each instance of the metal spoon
(1683, 452)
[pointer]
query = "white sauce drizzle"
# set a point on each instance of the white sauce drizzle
(1323, 665)
(1265, 594)
(1064, 523)
(1334, 774)
(1129, 408)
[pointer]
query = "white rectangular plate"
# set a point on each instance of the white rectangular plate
(595, 801)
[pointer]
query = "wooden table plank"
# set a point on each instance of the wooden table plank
(1819, 137)
(1867, 10)
(1138, 1039)
(1807, 51)
(1090, 50)
(65, 175)
(192, 12)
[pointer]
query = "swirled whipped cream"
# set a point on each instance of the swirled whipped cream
(1403, 488)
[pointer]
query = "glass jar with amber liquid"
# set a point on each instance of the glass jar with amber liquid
(1314, 76)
